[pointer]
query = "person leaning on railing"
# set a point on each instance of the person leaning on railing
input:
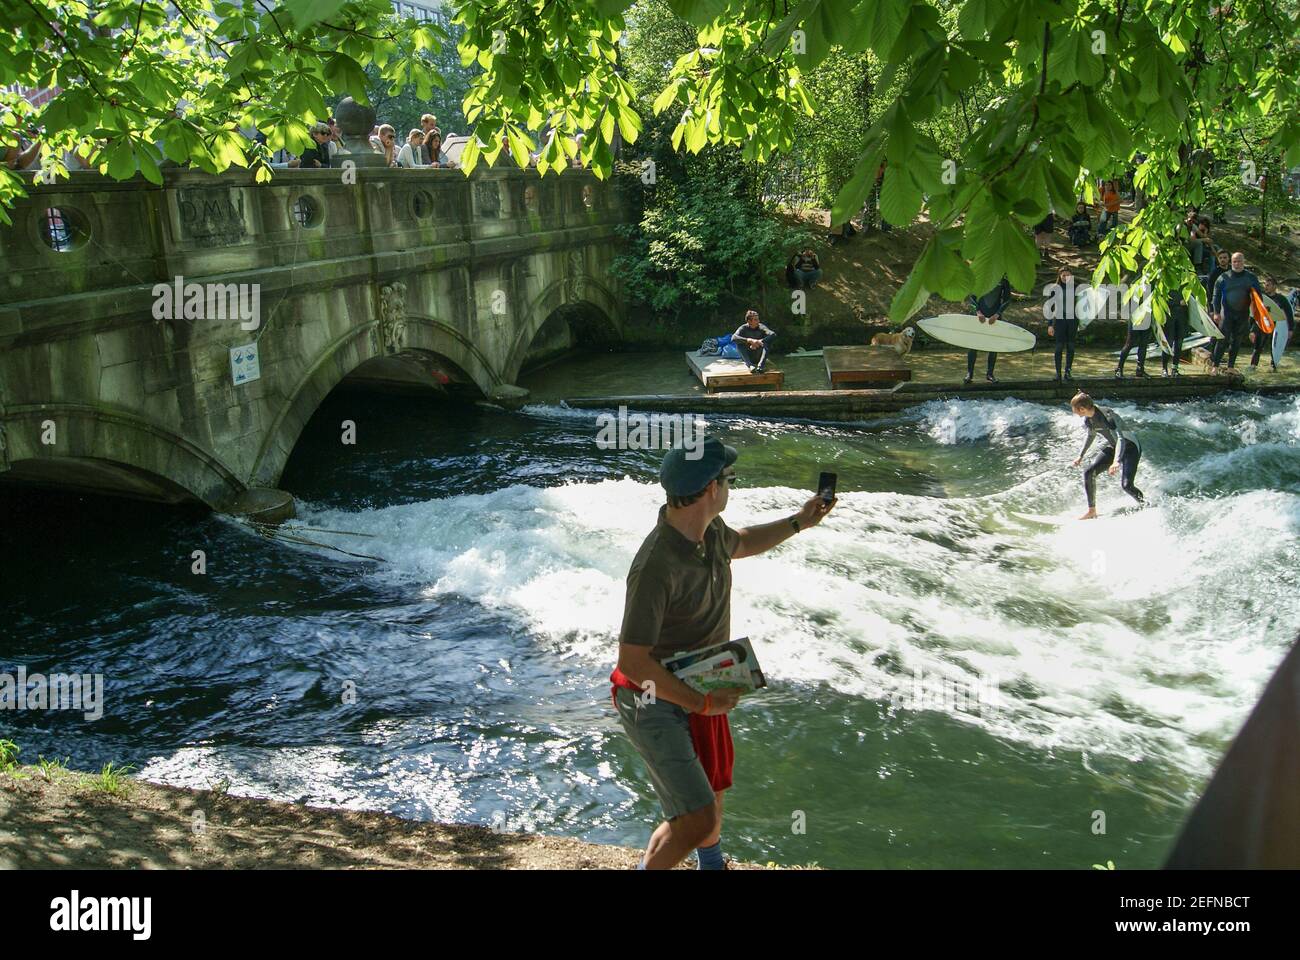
(318, 154)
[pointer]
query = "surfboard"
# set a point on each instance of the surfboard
(970, 333)
(800, 354)
(1200, 321)
(1263, 319)
(1280, 334)
(1189, 343)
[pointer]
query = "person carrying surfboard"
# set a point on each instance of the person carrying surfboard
(1262, 338)
(751, 339)
(988, 309)
(1118, 451)
(1231, 304)
(1062, 321)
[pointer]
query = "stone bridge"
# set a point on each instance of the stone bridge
(111, 382)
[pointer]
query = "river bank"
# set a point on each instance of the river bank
(70, 821)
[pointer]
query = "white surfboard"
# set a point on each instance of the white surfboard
(1200, 321)
(1280, 335)
(970, 333)
(800, 354)
(1189, 343)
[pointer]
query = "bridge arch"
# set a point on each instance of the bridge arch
(584, 295)
(102, 448)
(420, 335)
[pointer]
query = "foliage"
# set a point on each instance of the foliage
(404, 107)
(8, 755)
(1050, 93)
(141, 80)
(699, 239)
(1078, 87)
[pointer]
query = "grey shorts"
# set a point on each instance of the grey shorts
(661, 733)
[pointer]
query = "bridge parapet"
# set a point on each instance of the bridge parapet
(315, 274)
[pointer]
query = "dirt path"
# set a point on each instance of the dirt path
(65, 823)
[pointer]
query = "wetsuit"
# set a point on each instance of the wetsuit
(1262, 338)
(993, 302)
(755, 357)
(1176, 327)
(1232, 299)
(1116, 444)
(1139, 338)
(1065, 330)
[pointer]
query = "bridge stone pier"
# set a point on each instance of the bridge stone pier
(111, 382)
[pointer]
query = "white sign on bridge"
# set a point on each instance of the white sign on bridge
(244, 365)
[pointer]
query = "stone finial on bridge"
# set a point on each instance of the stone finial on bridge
(355, 123)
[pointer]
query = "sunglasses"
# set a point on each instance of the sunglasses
(727, 478)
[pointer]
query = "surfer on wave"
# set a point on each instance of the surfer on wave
(1118, 451)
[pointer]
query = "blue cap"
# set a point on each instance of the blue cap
(686, 472)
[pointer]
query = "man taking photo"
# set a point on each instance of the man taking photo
(679, 599)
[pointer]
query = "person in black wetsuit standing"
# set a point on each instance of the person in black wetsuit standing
(1118, 451)
(1063, 322)
(989, 310)
(1176, 327)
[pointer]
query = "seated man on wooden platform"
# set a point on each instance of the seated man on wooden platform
(751, 339)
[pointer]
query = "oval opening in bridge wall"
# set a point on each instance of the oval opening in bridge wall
(63, 229)
(305, 211)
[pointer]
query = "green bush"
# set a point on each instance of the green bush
(700, 239)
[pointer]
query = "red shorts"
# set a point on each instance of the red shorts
(711, 737)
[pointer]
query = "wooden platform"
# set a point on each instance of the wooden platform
(718, 374)
(868, 366)
(852, 404)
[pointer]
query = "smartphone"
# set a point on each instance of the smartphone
(826, 486)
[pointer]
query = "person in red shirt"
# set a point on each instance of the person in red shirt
(1110, 209)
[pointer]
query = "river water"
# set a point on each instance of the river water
(960, 674)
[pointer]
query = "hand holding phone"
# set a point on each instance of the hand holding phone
(826, 486)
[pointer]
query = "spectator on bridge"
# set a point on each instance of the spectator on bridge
(336, 137)
(434, 155)
(24, 155)
(317, 155)
(388, 143)
(428, 122)
(412, 153)
(577, 156)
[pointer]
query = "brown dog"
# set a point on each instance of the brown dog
(902, 342)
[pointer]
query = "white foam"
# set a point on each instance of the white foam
(1146, 634)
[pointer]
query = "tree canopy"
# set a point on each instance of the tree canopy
(1070, 90)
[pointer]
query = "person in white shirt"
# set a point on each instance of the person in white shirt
(409, 155)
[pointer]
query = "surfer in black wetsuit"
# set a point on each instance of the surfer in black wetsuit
(989, 310)
(1063, 322)
(1176, 325)
(1118, 451)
